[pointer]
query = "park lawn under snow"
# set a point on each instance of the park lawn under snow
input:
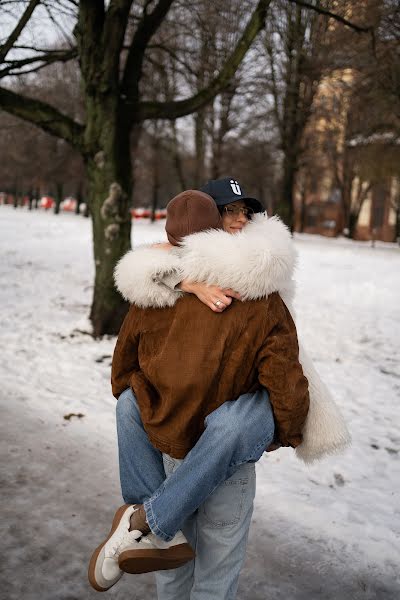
(328, 531)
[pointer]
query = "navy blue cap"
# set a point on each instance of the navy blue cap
(227, 190)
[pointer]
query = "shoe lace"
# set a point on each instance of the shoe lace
(146, 540)
(127, 538)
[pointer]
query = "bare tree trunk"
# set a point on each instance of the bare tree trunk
(226, 99)
(201, 115)
(200, 145)
(353, 220)
(109, 193)
(300, 41)
(356, 210)
(285, 206)
(78, 198)
(30, 197)
(177, 158)
(346, 202)
(303, 210)
(15, 196)
(156, 176)
(154, 198)
(58, 198)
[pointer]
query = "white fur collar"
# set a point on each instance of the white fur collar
(255, 262)
(138, 277)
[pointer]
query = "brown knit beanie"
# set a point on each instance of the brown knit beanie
(189, 212)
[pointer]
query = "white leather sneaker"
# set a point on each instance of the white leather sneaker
(104, 571)
(150, 553)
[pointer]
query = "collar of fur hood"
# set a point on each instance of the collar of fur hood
(255, 262)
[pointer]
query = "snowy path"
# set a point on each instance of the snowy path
(329, 531)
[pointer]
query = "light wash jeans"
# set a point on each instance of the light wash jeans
(218, 533)
(209, 494)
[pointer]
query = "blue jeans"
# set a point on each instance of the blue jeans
(218, 532)
(217, 475)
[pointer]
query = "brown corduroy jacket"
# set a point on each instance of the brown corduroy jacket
(184, 361)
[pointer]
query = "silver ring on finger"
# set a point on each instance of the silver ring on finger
(218, 303)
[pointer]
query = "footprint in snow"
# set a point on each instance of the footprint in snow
(69, 416)
(387, 372)
(102, 358)
(339, 479)
(392, 450)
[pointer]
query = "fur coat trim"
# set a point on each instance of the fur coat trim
(325, 431)
(138, 277)
(255, 262)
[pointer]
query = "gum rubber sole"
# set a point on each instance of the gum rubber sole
(146, 561)
(92, 564)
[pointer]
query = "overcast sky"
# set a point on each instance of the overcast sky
(40, 32)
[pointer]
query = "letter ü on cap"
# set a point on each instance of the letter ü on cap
(190, 212)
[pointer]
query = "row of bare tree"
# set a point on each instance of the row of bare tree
(144, 98)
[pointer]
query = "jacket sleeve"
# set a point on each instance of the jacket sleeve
(170, 280)
(280, 372)
(125, 358)
(147, 277)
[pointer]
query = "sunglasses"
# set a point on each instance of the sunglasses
(235, 211)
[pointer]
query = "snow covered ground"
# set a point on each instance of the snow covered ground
(328, 531)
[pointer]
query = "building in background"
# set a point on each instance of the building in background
(349, 174)
(346, 182)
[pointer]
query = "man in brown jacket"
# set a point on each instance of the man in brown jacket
(185, 361)
(184, 365)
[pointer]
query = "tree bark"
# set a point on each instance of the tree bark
(109, 195)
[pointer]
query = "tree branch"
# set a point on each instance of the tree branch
(115, 23)
(5, 48)
(328, 13)
(180, 108)
(274, 86)
(88, 33)
(63, 8)
(46, 59)
(147, 27)
(175, 56)
(43, 115)
(36, 49)
(58, 24)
